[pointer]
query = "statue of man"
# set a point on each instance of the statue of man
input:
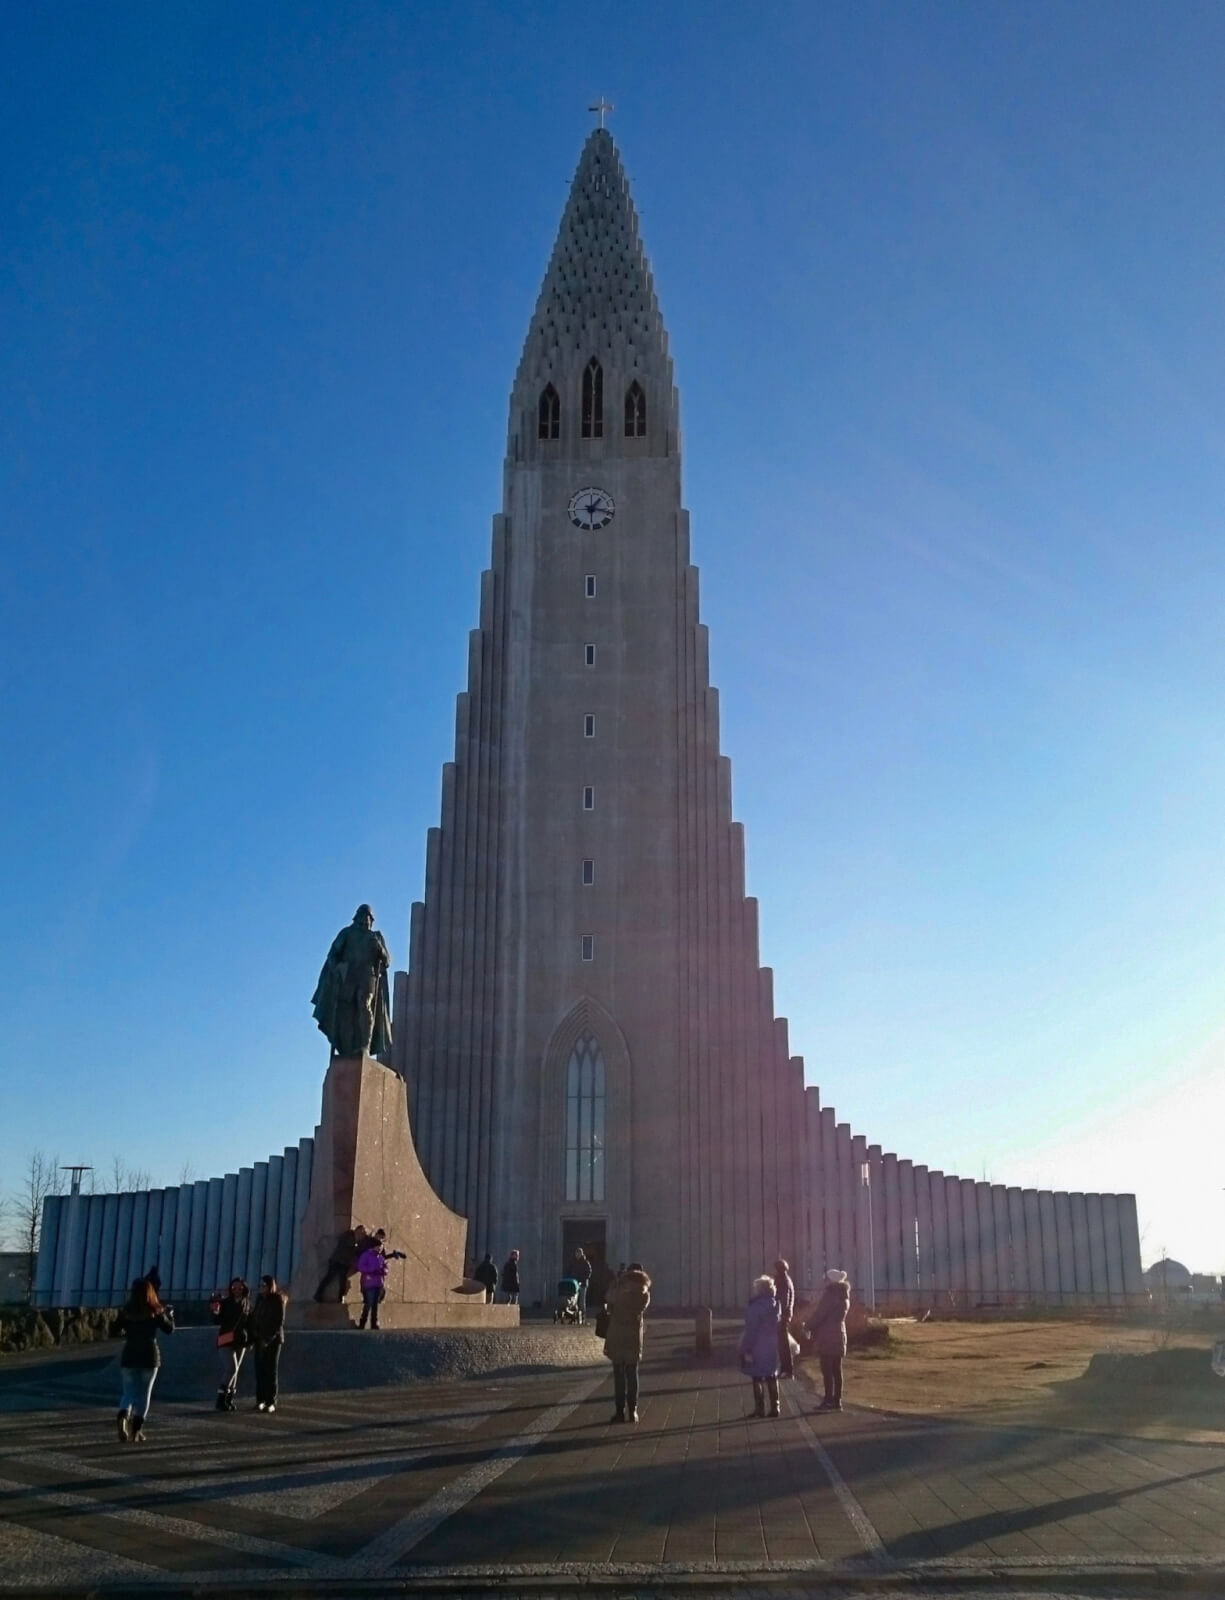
(351, 1001)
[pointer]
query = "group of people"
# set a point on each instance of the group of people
(509, 1279)
(365, 1255)
(242, 1325)
(486, 1274)
(767, 1350)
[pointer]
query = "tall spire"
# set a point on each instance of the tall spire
(598, 298)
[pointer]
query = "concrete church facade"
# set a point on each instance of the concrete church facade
(587, 1034)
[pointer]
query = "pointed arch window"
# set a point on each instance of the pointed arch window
(585, 1099)
(550, 414)
(635, 412)
(593, 400)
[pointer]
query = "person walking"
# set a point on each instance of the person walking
(626, 1304)
(759, 1345)
(372, 1266)
(268, 1337)
(139, 1322)
(230, 1312)
(510, 1279)
(487, 1274)
(581, 1273)
(784, 1293)
(827, 1325)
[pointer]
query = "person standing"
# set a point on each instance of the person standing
(139, 1321)
(342, 1262)
(784, 1293)
(759, 1345)
(626, 1303)
(827, 1325)
(581, 1273)
(268, 1337)
(510, 1279)
(230, 1312)
(487, 1274)
(372, 1265)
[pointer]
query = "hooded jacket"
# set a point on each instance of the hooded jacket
(627, 1301)
(828, 1322)
(372, 1264)
(759, 1341)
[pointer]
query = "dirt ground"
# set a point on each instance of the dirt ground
(1035, 1371)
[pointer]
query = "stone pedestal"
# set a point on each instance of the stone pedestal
(366, 1170)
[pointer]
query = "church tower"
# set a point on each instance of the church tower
(588, 1039)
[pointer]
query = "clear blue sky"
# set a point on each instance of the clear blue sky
(944, 289)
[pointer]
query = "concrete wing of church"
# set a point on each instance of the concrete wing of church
(587, 1033)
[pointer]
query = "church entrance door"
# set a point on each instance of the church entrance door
(586, 1234)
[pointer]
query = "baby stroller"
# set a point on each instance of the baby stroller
(566, 1309)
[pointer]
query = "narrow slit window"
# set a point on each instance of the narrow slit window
(550, 414)
(589, 947)
(593, 400)
(589, 586)
(635, 412)
(588, 872)
(589, 655)
(589, 726)
(588, 798)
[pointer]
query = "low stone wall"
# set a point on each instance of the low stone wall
(316, 1360)
(23, 1328)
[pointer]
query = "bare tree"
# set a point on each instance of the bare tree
(187, 1173)
(125, 1179)
(42, 1178)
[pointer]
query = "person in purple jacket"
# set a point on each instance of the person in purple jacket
(372, 1268)
(759, 1346)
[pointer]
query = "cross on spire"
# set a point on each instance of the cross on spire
(602, 107)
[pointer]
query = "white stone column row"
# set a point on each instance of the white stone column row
(200, 1235)
(936, 1239)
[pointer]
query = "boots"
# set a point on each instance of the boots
(772, 1391)
(121, 1424)
(221, 1398)
(138, 1430)
(759, 1398)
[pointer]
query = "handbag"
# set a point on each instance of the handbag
(224, 1339)
(601, 1323)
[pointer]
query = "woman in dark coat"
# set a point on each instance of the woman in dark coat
(626, 1302)
(140, 1358)
(759, 1345)
(784, 1293)
(510, 1279)
(267, 1330)
(230, 1312)
(827, 1325)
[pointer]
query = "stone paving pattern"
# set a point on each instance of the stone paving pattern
(523, 1479)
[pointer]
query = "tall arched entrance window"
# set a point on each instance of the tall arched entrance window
(585, 1136)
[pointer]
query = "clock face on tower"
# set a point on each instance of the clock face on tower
(592, 508)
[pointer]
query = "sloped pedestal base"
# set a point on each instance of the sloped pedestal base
(366, 1170)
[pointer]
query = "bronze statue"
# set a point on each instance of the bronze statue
(351, 1000)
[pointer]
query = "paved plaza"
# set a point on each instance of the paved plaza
(522, 1482)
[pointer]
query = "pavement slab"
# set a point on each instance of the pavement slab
(524, 1483)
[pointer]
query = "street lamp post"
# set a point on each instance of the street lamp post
(865, 1183)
